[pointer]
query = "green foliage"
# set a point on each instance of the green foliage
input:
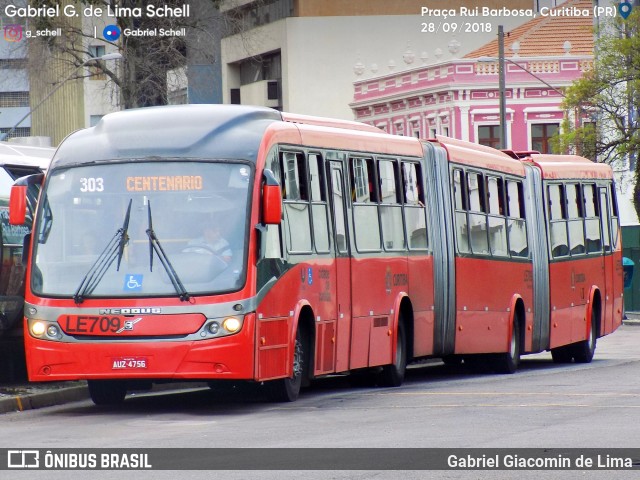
(609, 95)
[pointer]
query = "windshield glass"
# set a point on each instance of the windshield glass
(142, 229)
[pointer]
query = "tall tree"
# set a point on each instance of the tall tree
(609, 95)
(141, 77)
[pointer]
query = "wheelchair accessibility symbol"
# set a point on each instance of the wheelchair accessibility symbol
(133, 282)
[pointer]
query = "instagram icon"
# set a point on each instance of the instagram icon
(13, 33)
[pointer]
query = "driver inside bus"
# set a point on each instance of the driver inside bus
(211, 241)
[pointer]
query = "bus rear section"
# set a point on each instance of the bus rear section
(584, 253)
(532, 255)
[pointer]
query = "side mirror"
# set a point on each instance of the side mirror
(18, 197)
(18, 205)
(271, 199)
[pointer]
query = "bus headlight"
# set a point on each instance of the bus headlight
(214, 328)
(231, 324)
(38, 328)
(53, 331)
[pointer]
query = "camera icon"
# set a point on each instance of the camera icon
(13, 33)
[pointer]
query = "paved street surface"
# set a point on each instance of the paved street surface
(544, 405)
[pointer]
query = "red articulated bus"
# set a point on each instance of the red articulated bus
(241, 243)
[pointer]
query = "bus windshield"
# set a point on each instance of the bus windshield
(171, 228)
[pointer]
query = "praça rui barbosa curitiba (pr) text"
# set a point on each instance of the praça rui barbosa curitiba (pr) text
(476, 19)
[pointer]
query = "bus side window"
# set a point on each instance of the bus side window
(557, 224)
(296, 203)
(273, 241)
(295, 176)
(496, 219)
(605, 219)
(516, 226)
(460, 205)
(477, 215)
(414, 210)
(365, 206)
(390, 206)
(318, 203)
(593, 239)
(575, 215)
(615, 220)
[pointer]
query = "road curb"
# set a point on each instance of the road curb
(31, 401)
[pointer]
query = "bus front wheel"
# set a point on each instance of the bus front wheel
(288, 389)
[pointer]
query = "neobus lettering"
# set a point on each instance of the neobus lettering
(129, 311)
(168, 183)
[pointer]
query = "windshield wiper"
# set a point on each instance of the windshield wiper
(154, 245)
(113, 250)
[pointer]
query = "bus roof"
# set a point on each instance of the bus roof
(220, 131)
(25, 155)
(569, 166)
(179, 131)
(329, 122)
(481, 156)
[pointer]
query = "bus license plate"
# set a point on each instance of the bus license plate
(129, 363)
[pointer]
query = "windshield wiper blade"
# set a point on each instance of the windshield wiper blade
(99, 268)
(154, 245)
(124, 237)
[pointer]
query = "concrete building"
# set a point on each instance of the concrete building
(14, 77)
(84, 94)
(302, 55)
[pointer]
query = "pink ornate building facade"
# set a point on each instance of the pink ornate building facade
(460, 98)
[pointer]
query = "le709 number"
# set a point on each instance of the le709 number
(92, 324)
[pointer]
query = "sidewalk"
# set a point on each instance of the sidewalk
(27, 396)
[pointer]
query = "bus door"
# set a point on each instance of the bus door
(342, 262)
(608, 258)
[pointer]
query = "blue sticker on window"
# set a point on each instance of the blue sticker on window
(133, 282)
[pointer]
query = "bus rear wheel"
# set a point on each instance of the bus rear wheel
(583, 351)
(393, 375)
(107, 392)
(288, 389)
(508, 362)
(562, 354)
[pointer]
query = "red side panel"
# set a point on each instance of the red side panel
(272, 343)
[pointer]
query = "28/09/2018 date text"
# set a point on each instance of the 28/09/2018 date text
(456, 27)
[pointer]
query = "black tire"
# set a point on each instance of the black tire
(583, 351)
(508, 362)
(562, 354)
(393, 375)
(107, 392)
(288, 389)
